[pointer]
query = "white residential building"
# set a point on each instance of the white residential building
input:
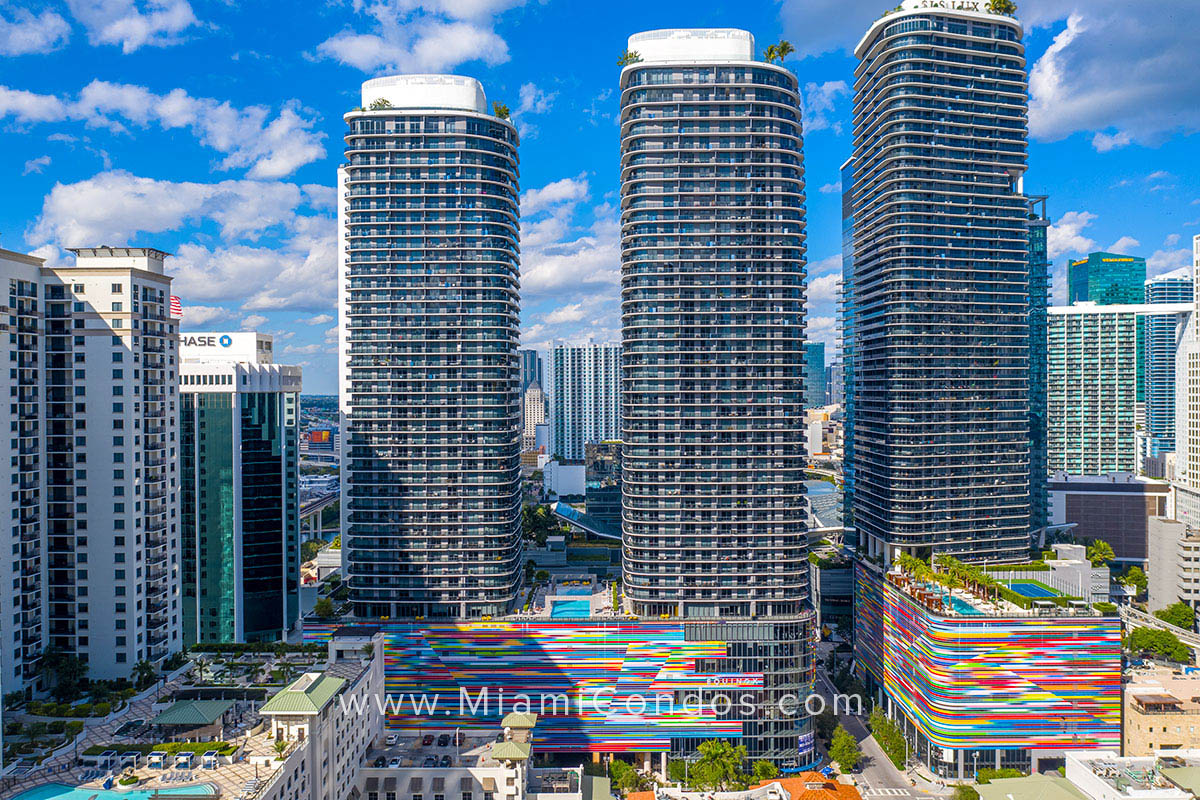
(533, 414)
(111, 469)
(585, 397)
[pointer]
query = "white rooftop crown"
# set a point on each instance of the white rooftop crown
(455, 92)
(684, 45)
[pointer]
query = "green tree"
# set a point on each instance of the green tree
(379, 104)
(500, 110)
(309, 549)
(629, 57)
(624, 777)
(323, 608)
(1006, 7)
(889, 737)
(764, 771)
(845, 750)
(1178, 614)
(67, 672)
(719, 766)
(143, 674)
(825, 723)
(1100, 552)
(1162, 643)
(776, 53)
(989, 774)
(1135, 578)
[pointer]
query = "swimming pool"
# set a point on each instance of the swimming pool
(60, 791)
(571, 608)
(1032, 589)
(964, 608)
(574, 591)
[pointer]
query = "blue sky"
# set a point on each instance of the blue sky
(213, 130)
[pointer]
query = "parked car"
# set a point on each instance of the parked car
(391, 739)
(443, 740)
(379, 762)
(394, 764)
(445, 761)
(428, 740)
(430, 761)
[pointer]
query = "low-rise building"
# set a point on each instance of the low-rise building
(1115, 508)
(1162, 712)
(1174, 571)
(1104, 775)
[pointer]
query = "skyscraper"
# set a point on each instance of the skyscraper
(533, 413)
(431, 512)
(240, 503)
(814, 374)
(1039, 298)
(585, 397)
(1093, 384)
(1160, 343)
(713, 273)
(112, 523)
(1106, 278)
(940, 287)
(531, 369)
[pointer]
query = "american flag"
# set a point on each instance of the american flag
(176, 307)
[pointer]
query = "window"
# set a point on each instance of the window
(117, 307)
(116, 288)
(77, 288)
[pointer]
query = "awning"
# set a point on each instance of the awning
(389, 784)
(371, 785)
(489, 784)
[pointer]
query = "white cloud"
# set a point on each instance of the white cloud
(1104, 142)
(534, 100)
(831, 188)
(823, 289)
(131, 24)
(88, 212)
(820, 100)
(25, 33)
(558, 193)
(319, 319)
(248, 137)
(1124, 245)
(1171, 240)
(569, 313)
(1066, 235)
(1167, 260)
(295, 271)
(421, 35)
(825, 264)
(197, 317)
(823, 329)
(305, 349)
(1075, 86)
(36, 164)
(254, 321)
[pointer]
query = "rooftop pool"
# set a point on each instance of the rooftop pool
(61, 791)
(560, 608)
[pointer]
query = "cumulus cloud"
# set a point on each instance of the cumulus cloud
(823, 329)
(821, 26)
(36, 164)
(823, 289)
(560, 193)
(1155, 93)
(130, 24)
(198, 317)
(534, 100)
(569, 313)
(293, 271)
(421, 35)
(271, 147)
(26, 33)
(831, 188)
(1124, 245)
(1066, 235)
(820, 101)
(1167, 260)
(254, 321)
(319, 319)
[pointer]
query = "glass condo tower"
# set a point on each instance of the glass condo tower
(428, 233)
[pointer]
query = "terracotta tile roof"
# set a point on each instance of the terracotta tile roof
(797, 787)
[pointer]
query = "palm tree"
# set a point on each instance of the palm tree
(144, 674)
(784, 49)
(771, 54)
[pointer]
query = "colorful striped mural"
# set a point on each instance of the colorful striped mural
(1010, 683)
(604, 668)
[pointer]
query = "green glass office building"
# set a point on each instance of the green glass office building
(239, 438)
(1106, 278)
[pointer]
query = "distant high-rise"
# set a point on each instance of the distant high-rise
(1160, 344)
(585, 397)
(533, 414)
(814, 374)
(240, 503)
(1039, 298)
(531, 369)
(1094, 369)
(937, 351)
(1106, 278)
(431, 510)
(713, 274)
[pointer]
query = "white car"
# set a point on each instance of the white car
(391, 739)
(394, 763)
